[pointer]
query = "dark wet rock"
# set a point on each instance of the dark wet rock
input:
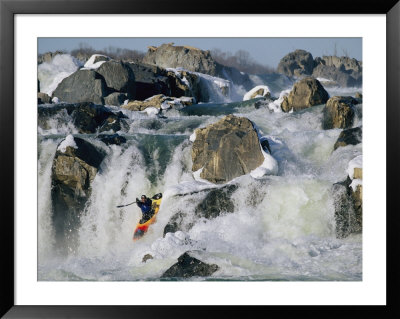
(112, 139)
(297, 63)
(348, 208)
(339, 112)
(87, 117)
(178, 222)
(217, 201)
(43, 98)
(226, 149)
(305, 93)
(352, 136)
(146, 258)
(73, 171)
(115, 98)
(82, 86)
(150, 80)
(188, 266)
(118, 77)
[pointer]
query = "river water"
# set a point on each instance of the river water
(282, 226)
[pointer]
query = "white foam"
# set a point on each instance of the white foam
(355, 162)
(268, 167)
(50, 74)
(68, 142)
(276, 105)
(248, 95)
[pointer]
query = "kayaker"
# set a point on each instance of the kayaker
(145, 205)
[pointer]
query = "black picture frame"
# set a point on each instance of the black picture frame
(8, 10)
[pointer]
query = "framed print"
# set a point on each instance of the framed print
(161, 159)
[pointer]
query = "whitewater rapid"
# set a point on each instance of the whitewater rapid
(282, 227)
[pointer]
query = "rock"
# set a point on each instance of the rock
(43, 98)
(352, 136)
(150, 80)
(82, 86)
(258, 91)
(118, 77)
(188, 266)
(305, 93)
(339, 112)
(358, 95)
(346, 72)
(296, 63)
(88, 117)
(189, 58)
(345, 216)
(115, 99)
(146, 258)
(112, 139)
(357, 173)
(73, 170)
(158, 101)
(216, 202)
(226, 149)
(195, 60)
(177, 222)
(48, 56)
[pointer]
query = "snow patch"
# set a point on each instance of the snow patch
(68, 142)
(276, 105)
(248, 95)
(355, 183)
(192, 137)
(90, 65)
(355, 162)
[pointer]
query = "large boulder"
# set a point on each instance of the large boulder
(226, 149)
(74, 167)
(188, 266)
(194, 60)
(118, 77)
(189, 58)
(339, 112)
(305, 93)
(338, 77)
(82, 86)
(297, 63)
(351, 136)
(149, 80)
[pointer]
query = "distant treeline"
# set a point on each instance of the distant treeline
(84, 52)
(242, 61)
